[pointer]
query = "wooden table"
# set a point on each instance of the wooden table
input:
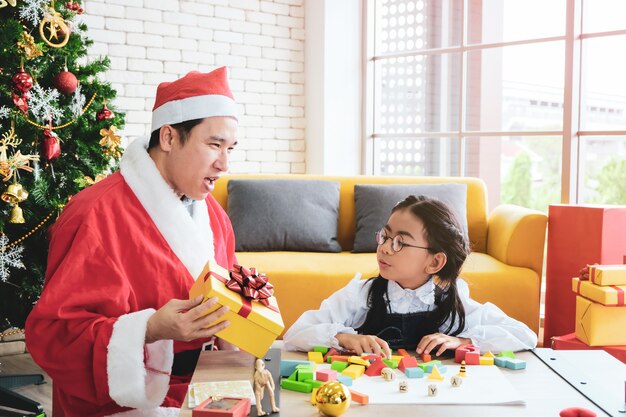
(545, 392)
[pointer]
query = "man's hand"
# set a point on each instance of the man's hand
(431, 341)
(361, 343)
(183, 320)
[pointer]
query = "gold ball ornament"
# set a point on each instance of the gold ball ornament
(333, 399)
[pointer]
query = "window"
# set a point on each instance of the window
(526, 94)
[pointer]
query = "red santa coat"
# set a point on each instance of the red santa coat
(120, 250)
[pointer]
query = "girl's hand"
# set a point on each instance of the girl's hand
(431, 341)
(361, 343)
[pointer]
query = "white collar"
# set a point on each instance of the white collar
(190, 237)
(425, 293)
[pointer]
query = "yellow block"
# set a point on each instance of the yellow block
(612, 295)
(607, 274)
(358, 361)
(598, 325)
(435, 375)
(316, 357)
(353, 371)
(397, 358)
(254, 333)
(485, 360)
(489, 355)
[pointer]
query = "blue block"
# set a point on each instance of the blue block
(345, 380)
(414, 373)
(501, 361)
(428, 368)
(288, 366)
(516, 364)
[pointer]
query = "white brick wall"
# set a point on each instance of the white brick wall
(260, 41)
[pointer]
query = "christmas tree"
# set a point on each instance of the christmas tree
(57, 136)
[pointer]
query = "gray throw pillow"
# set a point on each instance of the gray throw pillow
(291, 215)
(373, 204)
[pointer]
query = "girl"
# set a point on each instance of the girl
(416, 302)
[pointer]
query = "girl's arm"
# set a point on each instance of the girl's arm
(339, 313)
(490, 328)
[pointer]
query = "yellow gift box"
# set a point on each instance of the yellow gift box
(598, 325)
(608, 295)
(607, 274)
(253, 326)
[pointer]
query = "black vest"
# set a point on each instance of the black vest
(404, 330)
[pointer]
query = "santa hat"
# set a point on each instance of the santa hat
(195, 96)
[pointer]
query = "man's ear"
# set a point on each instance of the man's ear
(437, 262)
(166, 137)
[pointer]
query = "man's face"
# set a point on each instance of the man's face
(192, 168)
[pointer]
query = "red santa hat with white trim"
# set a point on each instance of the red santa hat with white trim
(195, 96)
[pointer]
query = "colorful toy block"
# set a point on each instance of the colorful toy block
(375, 368)
(506, 354)
(341, 358)
(515, 364)
(314, 383)
(403, 386)
(428, 366)
(360, 397)
(316, 357)
(326, 375)
(345, 380)
(414, 373)
(397, 358)
(489, 355)
(435, 375)
(485, 360)
(354, 371)
(388, 374)
(456, 381)
(331, 352)
(461, 352)
(403, 352)
(322, 349)
(357, 360)
(371, 356)
(304, 374)
(407, 362)
(472, 358)
(295, 385)
(339, 366)
(426, 357)
(393, 364)
(433, 390)
(288, 367)
(500, 361)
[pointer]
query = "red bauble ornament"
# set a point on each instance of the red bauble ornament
(104, 113)
(21, 101)
(22, 81)
(51, 145)
(66, 82)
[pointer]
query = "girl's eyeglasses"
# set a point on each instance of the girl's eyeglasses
(397, 242)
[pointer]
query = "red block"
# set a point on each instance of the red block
(360, 397)
(407, 362)
(403, 352)
(577, 236)
(461, 352)
(331, 352)
(326, 375)
(569, 342)
(426, 357)
(375, 368)
(472, 358)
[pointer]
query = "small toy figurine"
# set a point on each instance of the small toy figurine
(262, 380)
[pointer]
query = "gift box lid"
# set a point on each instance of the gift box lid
(609, 295)
(211, 282)
(607, 274)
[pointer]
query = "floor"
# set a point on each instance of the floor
(23, 364)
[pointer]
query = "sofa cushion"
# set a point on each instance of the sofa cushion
(373, 204)
(274, 215)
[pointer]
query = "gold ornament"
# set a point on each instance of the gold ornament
(110, 141)
(15, 194)
(17, 161)
(53, 22)
(333, 399)
(17, 215)
(30, 48)
(91, 181)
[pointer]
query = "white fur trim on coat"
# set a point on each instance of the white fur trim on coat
(130, 383)
(154, 412)
(190, 237)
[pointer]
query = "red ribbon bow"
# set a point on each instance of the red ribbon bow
(250, 284)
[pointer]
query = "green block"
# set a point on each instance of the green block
(391, 363)
(303, 375)
(315, 383)
(506, 354)
(430, 364)
(294, 376)
(295, 385)
(339, 366)
(305, 367)
(322, 349)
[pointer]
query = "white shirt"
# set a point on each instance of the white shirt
(486, 325)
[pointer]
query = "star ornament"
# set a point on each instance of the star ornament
(110, 141)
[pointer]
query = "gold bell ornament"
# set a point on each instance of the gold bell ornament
(333, 399)
(15, 194)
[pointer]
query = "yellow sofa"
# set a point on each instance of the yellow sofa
(504, 267)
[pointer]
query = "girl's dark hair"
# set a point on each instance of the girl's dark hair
(443, 234)
(182, 128)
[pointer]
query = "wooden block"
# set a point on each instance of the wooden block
(372, 356)
(354, 371)
(314, 383)
(393, 364)
(456, 381)
(397, 358)
(428, 366)
(516, 364)
(506, 354)
(435, 375)
(345, 380)
(485, 360)
(357, 360)
(360, 397)
(316, 357)
(463, 350)
(403, 386)
(472, 358)
(426, 357)
(414, 373)
(407, 362)
(328, 355)
(403, 352)
(433, 390)
(501, 361)
(322, 349)
(304, 374)
(296, 385)
(339, 366)
(288, 366)
(375, 368)
(489, 355)
(326, 375)
(388, 374)
(339, 358)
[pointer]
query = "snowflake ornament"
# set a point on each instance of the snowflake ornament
(78, 102)
(9, 257)
(42, 104)
(4, 112)
(33, 10)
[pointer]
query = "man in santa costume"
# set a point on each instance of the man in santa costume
(114, 327)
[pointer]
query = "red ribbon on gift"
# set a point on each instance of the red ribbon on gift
(250, 285)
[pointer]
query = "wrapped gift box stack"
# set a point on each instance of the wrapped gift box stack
(600, 306)
(255, 320)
